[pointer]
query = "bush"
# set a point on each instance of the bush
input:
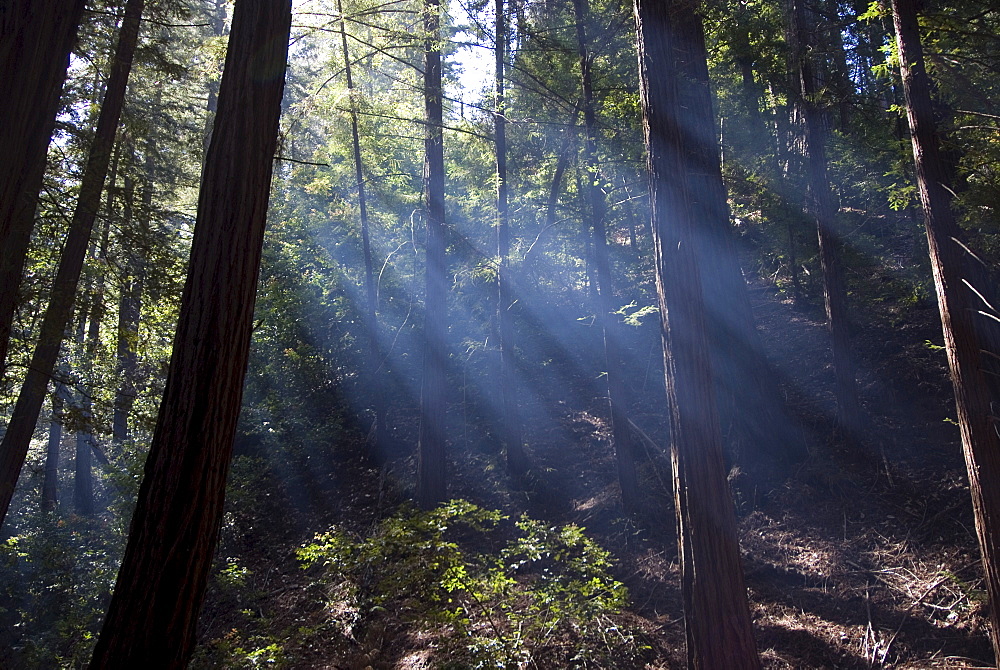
(545, 599)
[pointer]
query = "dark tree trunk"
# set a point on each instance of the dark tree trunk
(50, 483)
(624, 448)
(824, 212)
(36, 37)
(716, 612)
(29, 402)
(510, 429)
(970, 344)
(161, 584)
(377, 433)
(431, 481)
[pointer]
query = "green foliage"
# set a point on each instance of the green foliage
(545, 599)
(55, 577)
(238, 652)
(637, 314)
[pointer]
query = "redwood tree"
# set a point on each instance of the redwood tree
(517, 464)
(35, 41)
(969, 343)
(622, 436)
(716, 612)
(161, 584)
(431, 447)
(823, 211)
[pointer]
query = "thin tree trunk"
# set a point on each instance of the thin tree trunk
(83, 481)
(716, 612)
(823, 210)
(153, 612)
(557, 176)
(371, 303)
(129, 312)
(50, 484)
(968, 342)
(431, 479)
(624, 448)
(36, 37)
(15, 443)
(512, 437)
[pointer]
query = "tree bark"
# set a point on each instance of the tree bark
(969, 338)
(716, 613)
(624, 448)
(431, 479)
(15, 443)
(36, 37)
(511, 435)
(153, 612)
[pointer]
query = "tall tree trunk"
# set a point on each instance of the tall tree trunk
(371, 297)
(716, 612)
(15, 443)
(83, 482)
(36, 37)
(824, 212)
(50, 483)
(130, 309)
(431, 481)
(624, 448)
(161, 584)
(512, 437)
(970, 344)
(83, 479)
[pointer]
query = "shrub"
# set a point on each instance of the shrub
(545, 599)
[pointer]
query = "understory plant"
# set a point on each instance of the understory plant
(542, 596)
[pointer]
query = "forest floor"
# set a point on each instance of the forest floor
(853, 562)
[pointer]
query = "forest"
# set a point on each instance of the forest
(499, 334)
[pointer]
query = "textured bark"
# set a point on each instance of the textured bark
(377, 432)
(624, 448)
(970, 340)
(511, 435)
(35, 41)
(161, 584)
(716, 612)
(431, 480)
(824, 212)
(15, 443)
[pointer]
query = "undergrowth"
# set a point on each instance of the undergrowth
(485, 593)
